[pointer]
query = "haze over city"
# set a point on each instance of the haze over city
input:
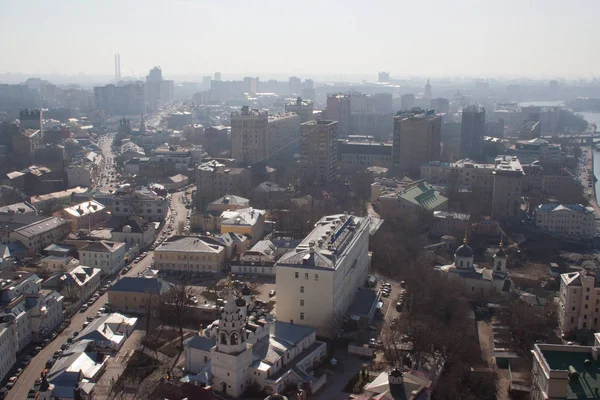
(313, 200)
(549, 38)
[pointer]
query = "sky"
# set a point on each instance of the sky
(538, 38)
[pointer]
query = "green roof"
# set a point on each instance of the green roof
(587, 386)
(423, 195)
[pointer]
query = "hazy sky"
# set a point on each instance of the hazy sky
(193, 37)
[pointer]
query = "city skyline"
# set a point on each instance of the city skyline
(192, 38)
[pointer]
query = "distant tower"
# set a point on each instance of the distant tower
(218, 76)
(428, 89)
(117, 67)
(142, 125)
(383, 77)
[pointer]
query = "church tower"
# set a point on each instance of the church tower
(500, 259)
(231, 333)
(463, 258)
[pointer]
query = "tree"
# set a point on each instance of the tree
(176, 303)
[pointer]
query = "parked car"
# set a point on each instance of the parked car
(271, 293)
(50, 362)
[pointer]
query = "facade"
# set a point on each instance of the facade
(249, 222)
(561, 372)
(360, 154)
(189, 253)
(144, 202)
(257, 136)
(129, 99)
(134, 231)
(40, 234)
(478, 282)
(339, 109)
(567, 221)
(8, 345)
(58, 263)
(415, 204)
(51, 202)
(301, 107)
(472, 132)
(136, 295)
(24, 145)
(210, 220)
(537, 149)
(450, 223)
(214, 179)
(108, 332)
(76, 285)
(578, 307)
(506, 197)
(416, 140)
(531, 130)
(82, 174)
(237, 352)
(108, 256)
(318, 150)
(317, 282)
(88, 215)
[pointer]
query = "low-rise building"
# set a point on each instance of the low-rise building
(8, 345)
(19, 208)
(137, 295)
(88, 215)
(215, 179)
(562, 372)
(134, 231)
(58, 263)
(103, 254)
(568, 221)
(189, 253)
(76, 285)
(37, 235)
(51, 202)
(108, 332)
(357, 154)
(145, 202)
(414, 204)
(450, 223)
(249, 222)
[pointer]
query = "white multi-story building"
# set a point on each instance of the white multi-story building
(27, 313)
(579, 302)
(106, 255)
(77, 285)
(569, 221)
(123, 203)
(87, 215)
(317, 282)
(134, 231)
(58, 263)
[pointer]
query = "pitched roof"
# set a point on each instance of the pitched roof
(40, 227)
(577, 208)
(137, 224)
(102, 246)
(423, 195)
(140, 285)
(246, 217)
(200, 342)
(189, 244)
(232, 199)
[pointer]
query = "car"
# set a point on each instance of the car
(37, 349)
(3, 393)
(271, 293)
(75, 334)
(18, 372)
(385, 294)
(31, 392)
(65, 345)
(83, 308)
(372, 342)
(123, 271)
(11, 382)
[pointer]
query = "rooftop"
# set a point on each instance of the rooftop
(561, 358)
(508, 165)
(41, 227)
(246, 216)
(191, 244)
(140, 285)
(103, 246)
(575, 208)
(232, 199)
(423, 194)
(85, 208)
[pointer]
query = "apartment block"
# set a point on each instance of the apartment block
(106, 255)
(145, 202)
(301, 107)
(472, 132)
(506, 198)
(318, 151)
(339, 109)
(214, 179)
(579, 302)
(40, 234)
(87, 215)
(416, 139)
(318, 281)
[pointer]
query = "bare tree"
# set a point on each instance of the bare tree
(176, 304)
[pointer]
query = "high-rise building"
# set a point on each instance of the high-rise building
(339, 109)
(127, 99)
(218, 76)
(158, 90)
(407, 101)
(416, 139)
(384, 77)
(472, 131)
(295, 85)
(31, 119)
(440, 105)
(301, 107)
(257, 136)
(250, 85)
(382, 103)
(318, 151)
(506, 199)
(428, 89)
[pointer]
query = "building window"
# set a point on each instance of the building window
(301, 303)
(587, 297)
(297, 274)
(572, 319)
(301, 316)
(316, 277)
(301, 289)
(306, 275)
(586, 306)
